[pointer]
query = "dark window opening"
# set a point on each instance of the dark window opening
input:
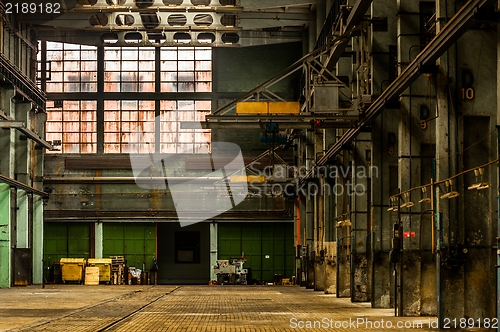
(187, 247)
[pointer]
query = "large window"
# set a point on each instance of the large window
(74, 123)
(138, 103)
(71, 68)
(129, 69)
(186, 69)
(177, 140)
(129, 126)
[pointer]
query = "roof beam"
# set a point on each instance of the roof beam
(266, 4)
(438, 45)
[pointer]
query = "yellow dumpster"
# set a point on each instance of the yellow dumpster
(104, 265)
(72, 269)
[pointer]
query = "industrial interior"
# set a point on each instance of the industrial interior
(348, 147)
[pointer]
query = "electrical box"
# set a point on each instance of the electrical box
(326, 98)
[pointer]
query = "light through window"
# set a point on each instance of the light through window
(129, 126)
(177, 140)
(70, 68)
(148, 117)
(74, 123)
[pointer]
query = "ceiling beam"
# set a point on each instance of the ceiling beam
(266, 4)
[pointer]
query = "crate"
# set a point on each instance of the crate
(92, 275)
(72, 269)
(104, 265)
(117, 270)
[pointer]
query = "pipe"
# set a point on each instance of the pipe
(433, 218)
(126, 179)
(20, 185)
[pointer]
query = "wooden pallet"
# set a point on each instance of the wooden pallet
(117, 270)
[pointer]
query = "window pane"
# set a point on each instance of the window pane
(75, 126)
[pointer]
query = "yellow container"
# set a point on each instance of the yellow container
(104, 265)
(72, 269)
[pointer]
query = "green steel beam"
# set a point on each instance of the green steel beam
(5, 250)
(37, 240)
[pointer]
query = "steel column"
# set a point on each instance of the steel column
(5, 241)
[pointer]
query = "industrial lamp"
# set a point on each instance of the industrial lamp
(408, 204)
(392, 206)
(481, 184)
(425, 199)
(452, 193)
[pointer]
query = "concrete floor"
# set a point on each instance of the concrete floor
(190, 308)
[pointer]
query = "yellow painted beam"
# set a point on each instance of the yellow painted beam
(251, 107)
(284, 107)
(248, 178)
(264, 107)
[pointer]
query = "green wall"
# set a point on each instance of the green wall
(65, 240)
(135, 241)
(259, 240)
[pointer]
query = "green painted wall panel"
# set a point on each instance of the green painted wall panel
(65, 240)
(258, 241)
(135, 241)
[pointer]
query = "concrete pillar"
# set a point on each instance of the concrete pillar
(309, 216)
(37, 240)
(344, 233)
(359, 192)
(5, 241)
(213, 249)
(99, 237)
(384, 156)
(22, 162)
(448, 294)
(23, 231)
(319, 217)
(8, 137)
